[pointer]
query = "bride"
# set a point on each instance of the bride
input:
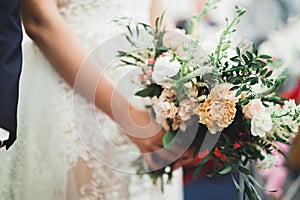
(58, 156)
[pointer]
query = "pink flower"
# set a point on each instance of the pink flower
(151, 61)
(164, 54)
(140, 77)
(149, 73)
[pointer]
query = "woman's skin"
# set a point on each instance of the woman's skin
(50, 32)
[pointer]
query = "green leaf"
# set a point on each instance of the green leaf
(245, 58)
(279, 81)
(236, 80)
(263, 71)
(260, 63)
(255, 182)
(161, 18)
(254, 49)
(225, 46)
(150, 91)
(137, 30)
(156, 22)
(237, 68)
(238, 93)
(236, 60)
(252, 80)
(204, 160)
(234, 88)
(225, 171)
(168, 139)
(269, 74)
(244, 170)
(265, 56)
(130, 41)
(197, 171)
(250, 56)
(237, 186)
(129, 29)
(244, 88)
(245, 161)
(238, 51)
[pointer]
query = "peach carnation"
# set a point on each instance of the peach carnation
(216, 114)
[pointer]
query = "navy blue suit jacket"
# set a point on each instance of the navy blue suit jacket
(10, 65)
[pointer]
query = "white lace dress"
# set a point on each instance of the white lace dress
(55, 158)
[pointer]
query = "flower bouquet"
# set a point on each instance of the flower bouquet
(227, 97)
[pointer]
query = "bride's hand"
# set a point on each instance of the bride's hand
(148, 136)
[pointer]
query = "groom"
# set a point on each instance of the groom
(10, 69)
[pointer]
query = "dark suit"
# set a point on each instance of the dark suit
(10, 65)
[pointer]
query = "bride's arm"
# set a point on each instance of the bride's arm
(48, 29)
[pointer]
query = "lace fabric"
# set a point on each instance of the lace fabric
(55, 158)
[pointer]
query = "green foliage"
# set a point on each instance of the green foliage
(150, 91)
(169, 139)
(209, 4)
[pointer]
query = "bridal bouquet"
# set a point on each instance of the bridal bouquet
(229, 93)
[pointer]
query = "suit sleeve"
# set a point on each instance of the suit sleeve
(10, 65)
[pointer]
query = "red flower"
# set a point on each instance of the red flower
(221, 156)
(237, 145)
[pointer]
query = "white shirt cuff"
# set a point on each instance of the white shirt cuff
(4, 135)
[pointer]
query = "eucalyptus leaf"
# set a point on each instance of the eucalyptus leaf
(244, 170)
(226, 170)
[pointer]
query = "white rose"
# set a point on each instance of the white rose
(260, 124)
(164, 68)
(253, 107)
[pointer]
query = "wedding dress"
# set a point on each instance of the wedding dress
(55, 158)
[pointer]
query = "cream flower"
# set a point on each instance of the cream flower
(216, 114)
(253, 107)
(165, 67)
(261, 123)
(186, 109)
(163, 110)
(191, 89)
(176, 40)
(222, 91)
